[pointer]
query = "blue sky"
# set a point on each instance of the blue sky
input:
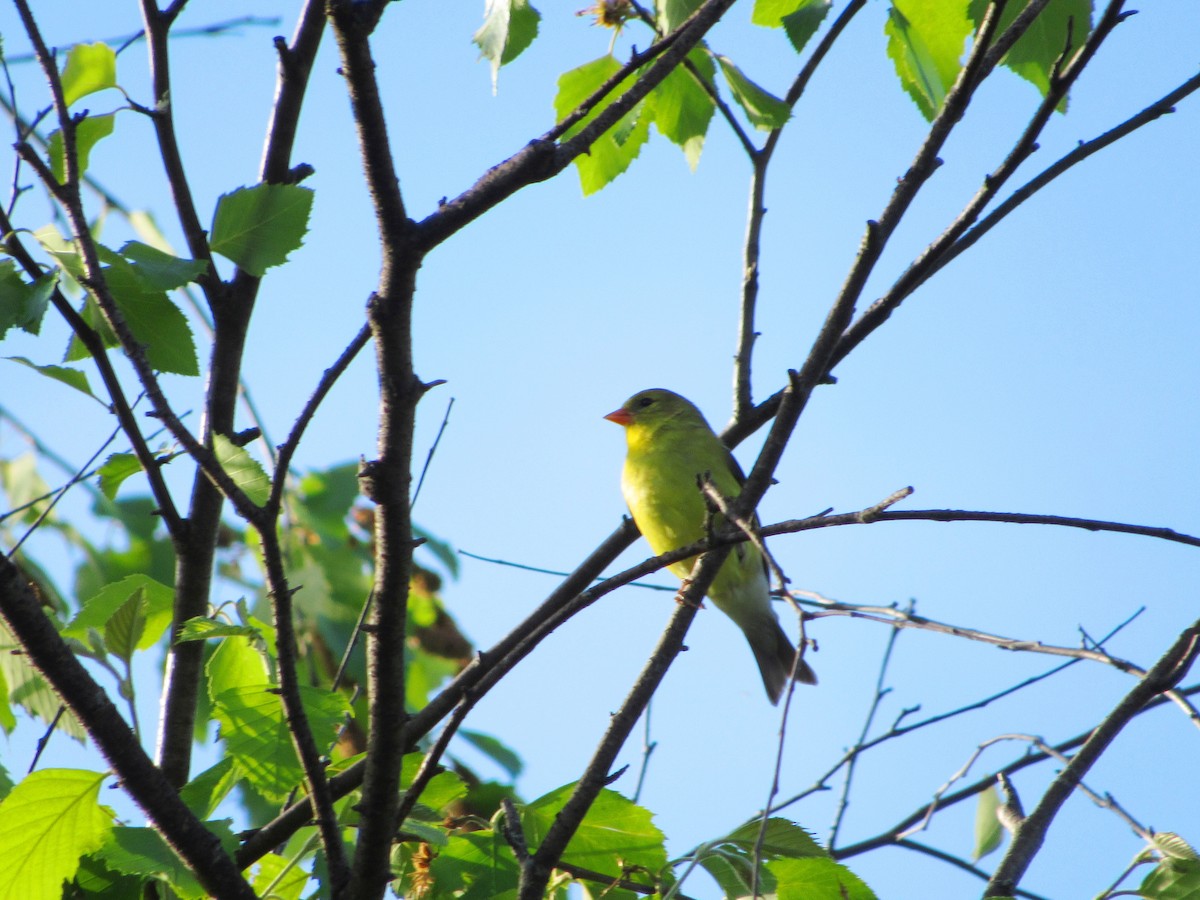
(1052, 368)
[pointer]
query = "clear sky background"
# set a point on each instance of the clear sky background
(1053, 368)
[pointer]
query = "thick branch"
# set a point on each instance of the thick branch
(199, 848)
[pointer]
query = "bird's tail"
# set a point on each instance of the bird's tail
(776, 656)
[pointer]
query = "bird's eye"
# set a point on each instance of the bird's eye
(645, 401)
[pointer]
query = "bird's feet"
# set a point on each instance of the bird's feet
(680, 598)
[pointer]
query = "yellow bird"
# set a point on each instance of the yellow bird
(670, 447)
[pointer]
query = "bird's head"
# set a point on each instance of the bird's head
(648, 410)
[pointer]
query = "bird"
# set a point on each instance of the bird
(670, 447)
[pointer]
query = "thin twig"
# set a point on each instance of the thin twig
(872, 710)
(432, 450)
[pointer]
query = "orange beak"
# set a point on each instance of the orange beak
(620, 416)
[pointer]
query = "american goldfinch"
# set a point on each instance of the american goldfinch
(671, 446)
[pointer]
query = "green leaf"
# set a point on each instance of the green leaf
(100, 609)
(1033, 55)
(89, 68)
(200, 629)
(817, 879)
(141, 851)
(673, 13)
(1171, 879)
(88, 133)
(159, 326)
(800, 19)
(257, 227)
(1168, 843)
(115, 470)
(98, 881)
(153, 320)
(160, 270)
(286, 880)
(475, 866)
(509, 26)
(47, 822)
(23, 304)
(24, 486)
(204, 793)
(614, 151)
(68, 376)
(235, 662)
(988, 831)
(255, 733)
(682, 108)
(244, 469)
(614, 835)
(731, 859)
(499, 752)
(29, 690)
(765, 111)
(443, 788)
(126, 626)
(925, 42)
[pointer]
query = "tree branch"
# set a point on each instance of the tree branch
(1163, 676)
(199, 848)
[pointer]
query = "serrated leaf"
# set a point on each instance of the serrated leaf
(244, 469)
(117, 468)
(614, 835)
(817, 879)
(988, 831)
(614, 151)
(257, 227)
(925, 43)
(47, 822)
(731, 859)
(161, 270)
(89, 68)
(1168, 843)
(1035, 52)
(682, 107)
(509, 26)
(103, 605)
(23, 304)
(799, 19)
(154, 321)
(162, 329)
(88, 133)
(765, 111)
(1172, 879)
(256, 735)
(62, 374)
